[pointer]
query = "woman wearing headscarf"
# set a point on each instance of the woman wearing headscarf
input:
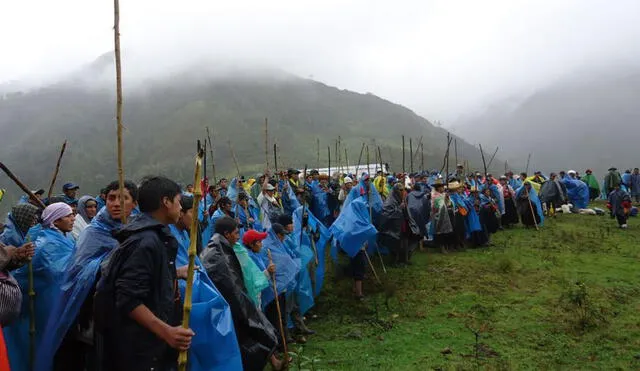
(54, 247)
(87, 210)
(19, 222)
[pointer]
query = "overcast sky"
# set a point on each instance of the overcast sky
(440, 58)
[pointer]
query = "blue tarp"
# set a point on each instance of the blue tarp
(94, 245)
(353, 228)
(215, 345)
(577, 191)
(53, 251)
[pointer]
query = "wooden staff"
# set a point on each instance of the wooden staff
(528, 160)
(116, 37)
(413, 155)
(317, 153)
(359, 159)
(346, 159)
(32, 313)
(368, 167)
(55, 172)
(535, 222)
(266, 142)
(186, 316)
(446, 179)
(329, 159)
(422, 157)
(455, 149)
(336, 153)
(381, 162)
(339, 154)
(446, 153)
(213, 163)
(403, 168)
(275, 156)
(410, 155)
(204, 170)
(484, 164)
(371, 184)
(492, 157)
(275, 293)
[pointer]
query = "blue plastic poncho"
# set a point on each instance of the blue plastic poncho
(472, 220)
(290, 202)
(215, 346)
(304, 251)
(206, 232)
(13, 236)
(496, 192)
(360, 191)
(353, 228)
(316, 228)
(286, 267)
(577, 191)
(50, 262)
(93, 246)
(533, 196)
(320, 203)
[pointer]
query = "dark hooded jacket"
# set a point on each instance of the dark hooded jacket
(256, 335)
(140, 271)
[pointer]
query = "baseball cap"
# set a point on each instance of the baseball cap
(252, 236)
(70, 186)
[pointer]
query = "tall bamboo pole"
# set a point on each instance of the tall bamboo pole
(411, 155)
(403, 167)
(266, 143)
(318, 153)
(359, 159)
(280, 323)
(186, 316)
(116, 36)
(55, 172)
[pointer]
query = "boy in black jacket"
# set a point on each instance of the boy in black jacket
(137, 299)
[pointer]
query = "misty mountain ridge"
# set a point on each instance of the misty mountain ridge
(583, 120)
(164, 120)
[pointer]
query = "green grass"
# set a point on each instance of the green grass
(567, 297)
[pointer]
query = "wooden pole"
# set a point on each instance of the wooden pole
(535, 222)
(359, 159)
(446, 180)
(32, 312)
(55, 172)
(403, 165)
(213, 163)
(281, 325)
(528, 160)
(422, 157)
(22, 186)
(266, 142)
(193, 231)
(455, 149)
(275, 156)
(346, 159)
(116, 36)
(381, 162)
(368, 167)
(318, 153)
(484, 164)
(336, 153)
(492, 157)
(411, 155)
(329, 160)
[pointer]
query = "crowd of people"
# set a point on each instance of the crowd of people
(109, 295)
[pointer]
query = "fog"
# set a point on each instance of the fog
(443, 59)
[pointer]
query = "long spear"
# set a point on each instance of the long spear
(55, 172)
(275, 292)
(186, 316)
(116, 37)
(213, 163)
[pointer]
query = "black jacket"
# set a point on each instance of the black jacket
(256, 335)
(141, 271)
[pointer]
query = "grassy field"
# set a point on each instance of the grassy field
(567, 297)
